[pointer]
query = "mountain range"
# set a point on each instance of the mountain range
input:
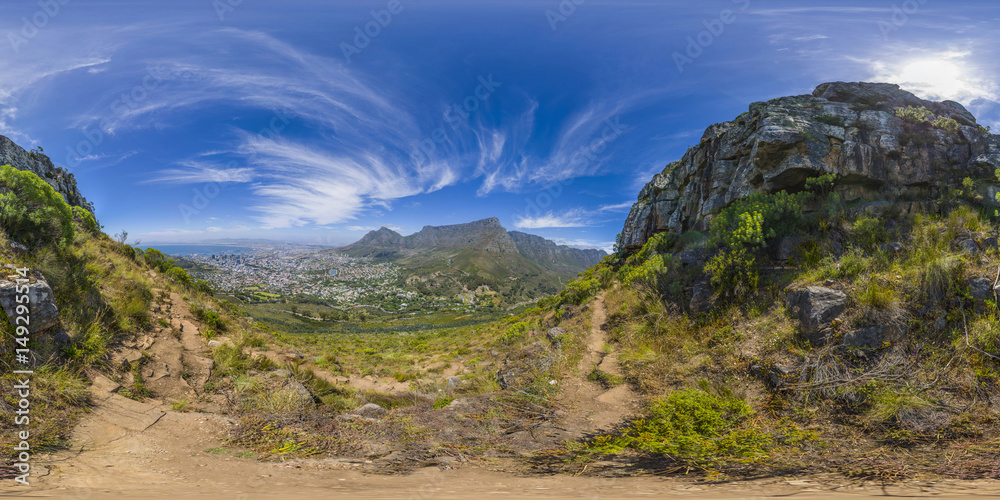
(463, 258)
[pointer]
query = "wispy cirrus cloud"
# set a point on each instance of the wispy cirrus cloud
(581, 148)
(577, 217)
(196, 172)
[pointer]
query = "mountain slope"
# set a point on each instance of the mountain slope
(39, 164)
(868, 135)
(464, 257)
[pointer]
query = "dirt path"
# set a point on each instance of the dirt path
(130, 449)
(592, 407)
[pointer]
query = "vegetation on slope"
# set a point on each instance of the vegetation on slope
(925, 383)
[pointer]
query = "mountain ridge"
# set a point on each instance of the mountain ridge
(864, 134)
(485, 234)
(460, 258)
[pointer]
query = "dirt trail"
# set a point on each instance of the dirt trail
(130, 449)
(591, 406)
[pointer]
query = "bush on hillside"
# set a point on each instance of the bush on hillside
(915, 114)
(692, 427)
(740, 232)
(179, 275)
(86, 220)
(155, 259)
(31, 211)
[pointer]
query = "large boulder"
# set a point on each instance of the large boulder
(43, 310)
(370, 410)
(703, 298)
(981, 288)
(846, 129)
(869, 337)
(815, 307)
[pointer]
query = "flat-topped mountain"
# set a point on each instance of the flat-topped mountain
(477, 253)
(486, 235)
(877, 140)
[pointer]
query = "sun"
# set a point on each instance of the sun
(935, 77)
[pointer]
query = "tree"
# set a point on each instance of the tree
(32, 211)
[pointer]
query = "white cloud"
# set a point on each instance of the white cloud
(199, 172)
(577, 217)
(620, 207)
(582, 147)
(936, 75)
(573, 218)
(607, 246)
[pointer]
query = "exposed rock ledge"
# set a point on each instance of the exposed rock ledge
(848, 129)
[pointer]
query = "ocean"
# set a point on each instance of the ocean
(182, 250)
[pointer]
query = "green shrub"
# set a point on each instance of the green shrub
(868, 232)
(915, 114)
(86, 219)
(179, 275)
(515, 333)
(939, 277)
(740, 231)
(821, 185)
(579, 290)
(31, 211)
(202, 286)
(946, 123)
(996, 213)
(209, 318)
(650, 273)
(734, 271)
(876, 295)
(155, 259)
(692, 427)
(442, 401)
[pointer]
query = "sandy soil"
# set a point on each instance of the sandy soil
(129, 449)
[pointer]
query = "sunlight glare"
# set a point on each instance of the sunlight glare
(943, 79)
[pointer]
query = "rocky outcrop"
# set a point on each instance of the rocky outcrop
(43, 311)
(60, 180)
(816, 308)
(540, 249)
(486, 235)
(846, 129)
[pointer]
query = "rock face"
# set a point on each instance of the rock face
(540, 249)
(44, 313)
(815, 307)
(486, 235)
(846, 129)
(57, 177)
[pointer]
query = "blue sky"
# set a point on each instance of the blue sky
(186, 121)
